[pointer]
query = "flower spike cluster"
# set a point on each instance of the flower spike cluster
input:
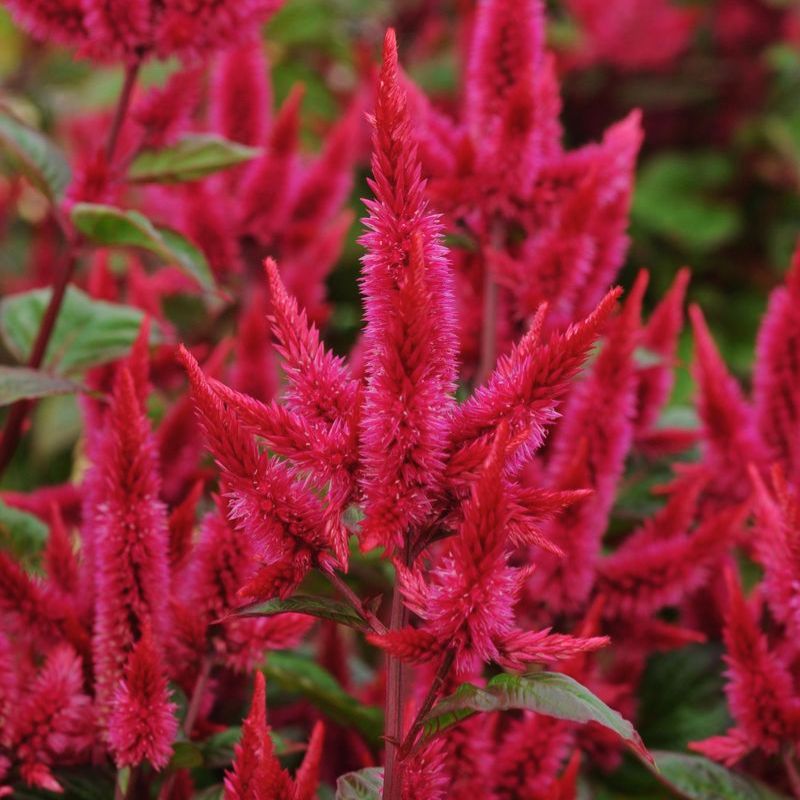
(256, 773)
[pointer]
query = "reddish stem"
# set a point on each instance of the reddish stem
(352, 598)
(395, 692)
(18, 413)
(442, 673)
(123, 105)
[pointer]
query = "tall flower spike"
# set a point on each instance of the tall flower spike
(524, 390)
(256, 773)
(506, 52)
(777, 548)
(598, 425)
(282, 517)
(142, 723)
(131, 540)
(760, 687)
(410, 338)
(53, 721)
(320, 384)
(730, 438)
(240, 94)
(660, 336)
(777, 374)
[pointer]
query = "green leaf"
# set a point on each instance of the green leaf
(322, 607)
(679, 196)
(366, 784)
(298, 675)
(681, 697)
(21, 534)
(35, 155)
(190, 158)
(88, 332)
(18, 383)
(185, 755)
(116, 227)
(697, 778)
(549, 693)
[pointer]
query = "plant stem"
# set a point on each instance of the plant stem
(395, 693)
(199, 691)
(121, 112)
(206, 665)
(18, 413)
(442, 673)
(352, 598)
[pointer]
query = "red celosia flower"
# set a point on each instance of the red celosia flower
(130, 540)
(777, 548)
(632, 34)
(52, 722)
(256, 773)
(760, 688)
(132, 29)
(467, 603)
(142, 723)
(776, 374)
(592, 443)
(410, 337)
(730, 437)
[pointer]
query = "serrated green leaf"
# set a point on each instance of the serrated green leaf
(88, 332)
(697, 778)
(192, 157)
(35, 155)
(365, 784)
(549, 693)
(117, 227)
(21, 534)
(18, 383)
(299, 675)
(322, 607)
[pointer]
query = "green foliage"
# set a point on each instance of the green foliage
(366, 784)
(550, 693)
(682, 698)
(322, 607)
(679, 196)
(298, 675)
(17, 383)
(116, 227)
(697, 778)
(34, 154)
(192, 157)
(88, 332)
(21, 534)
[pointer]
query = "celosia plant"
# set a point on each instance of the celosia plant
(411, 571)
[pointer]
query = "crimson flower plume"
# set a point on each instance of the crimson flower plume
(131, 540)
(410, 338)
(142, 722)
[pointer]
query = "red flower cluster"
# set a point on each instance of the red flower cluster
(450, 490)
